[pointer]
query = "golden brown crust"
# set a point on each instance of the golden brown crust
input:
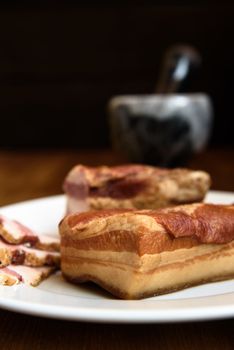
(208, 223)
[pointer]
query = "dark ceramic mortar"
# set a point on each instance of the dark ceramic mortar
(166, 128)
(163, 130)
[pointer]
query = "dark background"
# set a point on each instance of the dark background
(60, 62)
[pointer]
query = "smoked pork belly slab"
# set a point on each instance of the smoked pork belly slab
(139, 253)
(33, 276)
(132, 186)
(13, 232)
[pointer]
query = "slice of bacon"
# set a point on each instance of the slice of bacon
(13, 232)
(9, 277)
(25, 256)
(48, 243)
(22, 255)
(33, 276)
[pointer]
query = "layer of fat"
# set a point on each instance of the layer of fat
(158, 272)
(76, 205)
(145, 262)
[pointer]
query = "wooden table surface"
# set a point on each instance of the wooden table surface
(26, 175)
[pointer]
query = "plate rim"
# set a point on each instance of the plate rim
(113, 315)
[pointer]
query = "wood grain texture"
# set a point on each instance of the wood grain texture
(20, 332)
(25, 175)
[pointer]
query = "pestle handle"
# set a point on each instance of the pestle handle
(178, 62)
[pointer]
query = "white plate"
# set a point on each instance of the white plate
(57, 299)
